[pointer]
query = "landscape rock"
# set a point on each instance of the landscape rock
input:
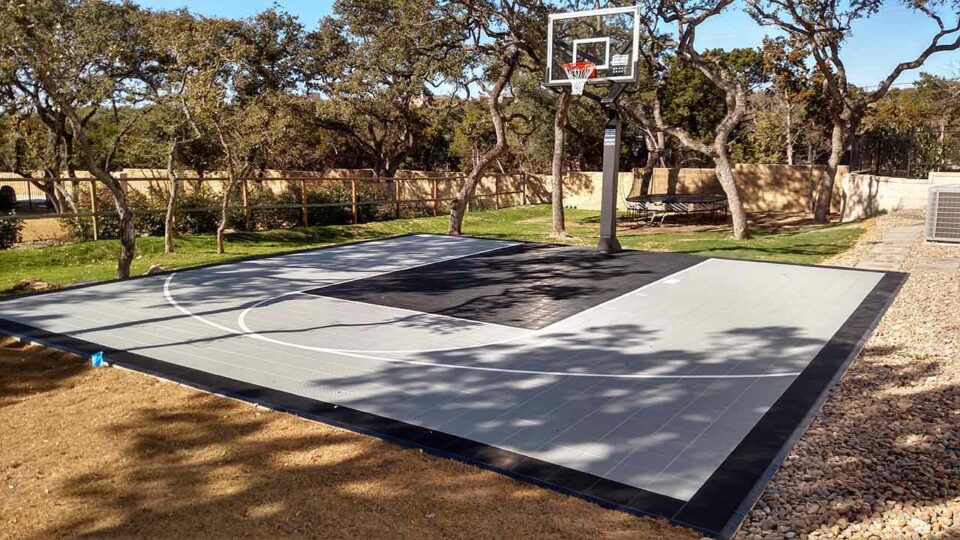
(33, 284)
(882, 457)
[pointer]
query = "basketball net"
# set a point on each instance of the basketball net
(577, 74)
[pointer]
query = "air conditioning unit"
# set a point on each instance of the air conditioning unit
(943, 213)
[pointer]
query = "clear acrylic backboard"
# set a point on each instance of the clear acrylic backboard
(608, 38)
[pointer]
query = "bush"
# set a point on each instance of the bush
(267, 218)
(10, 232)
(145, 221)
(292, 214)
(8, 199)
(198, 210)
(329, 215)
(200, 221)
(149, 213)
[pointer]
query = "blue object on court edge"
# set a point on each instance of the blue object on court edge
(97, 359)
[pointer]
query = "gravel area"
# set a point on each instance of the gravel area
(882, 458)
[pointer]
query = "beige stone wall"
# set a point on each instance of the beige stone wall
(763, 188)
(582, 189)
(866, 195)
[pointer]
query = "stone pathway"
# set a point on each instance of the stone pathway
(892, 249)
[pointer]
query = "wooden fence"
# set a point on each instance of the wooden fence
(391, 197)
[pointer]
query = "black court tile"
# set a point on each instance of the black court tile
(527, 286)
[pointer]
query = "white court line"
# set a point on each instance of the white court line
(246, 332)
(241, 320)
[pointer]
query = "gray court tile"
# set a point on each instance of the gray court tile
(678, 487)
(591, 458)
(632, 475)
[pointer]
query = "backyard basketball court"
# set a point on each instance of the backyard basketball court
(661, 384)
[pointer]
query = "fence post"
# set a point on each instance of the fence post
(436, 197)
(303, 203)
(353, 200)
(245, 192)
(396, 194)
(93, 208)
(29, 198)
(496, 192)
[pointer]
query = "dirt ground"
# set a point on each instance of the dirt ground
(110, 453)
(40, 230)
(767, 221)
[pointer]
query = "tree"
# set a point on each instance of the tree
(559, 229)
(916, 128)
(503, 34)
(458, 206)
(376, 81)
(231, 97)
(81, 56)
(821, 26)
(30, 154)
(791, 81)
(730, 73)
(174, 36)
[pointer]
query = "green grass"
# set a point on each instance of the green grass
(88, 261)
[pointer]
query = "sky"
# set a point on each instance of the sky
(894, 35)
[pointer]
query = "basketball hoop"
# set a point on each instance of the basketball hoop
(577, 74)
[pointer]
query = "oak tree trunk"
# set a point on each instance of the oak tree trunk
(789, 127)
(654, 157)
(127, 236)
(724, 172)
(127, 233)
(169, 223)
(225, 214)
(559, 129)
(458, 206)
(821, 209)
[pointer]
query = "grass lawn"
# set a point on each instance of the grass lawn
(88, 261)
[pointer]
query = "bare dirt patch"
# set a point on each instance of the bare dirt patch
(112, 453)
(767, 221)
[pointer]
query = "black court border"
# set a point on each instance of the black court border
(718, 507)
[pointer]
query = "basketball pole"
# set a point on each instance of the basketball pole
(611, 172)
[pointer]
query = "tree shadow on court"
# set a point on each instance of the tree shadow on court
(184, 464)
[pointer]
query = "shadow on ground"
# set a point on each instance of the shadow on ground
(114, 454)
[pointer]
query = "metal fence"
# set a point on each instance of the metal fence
(912, 154)
(283, 201)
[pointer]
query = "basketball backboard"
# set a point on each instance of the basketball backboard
(609, 38)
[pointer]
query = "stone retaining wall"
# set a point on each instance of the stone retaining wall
(865, 195)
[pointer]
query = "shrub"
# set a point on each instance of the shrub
(8, 199)
(10, 232)
(145, 222)
(203, 221)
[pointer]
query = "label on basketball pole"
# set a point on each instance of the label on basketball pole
(609, 137)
